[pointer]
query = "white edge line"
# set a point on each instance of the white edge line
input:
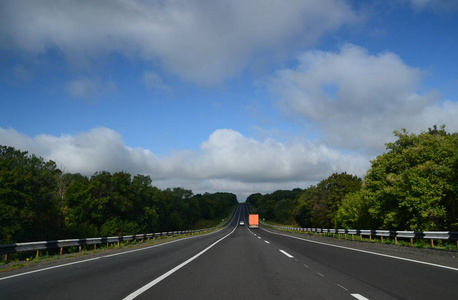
(170, 272)
(49, 268)
(91, 259)
(110, 255)
(368, 252)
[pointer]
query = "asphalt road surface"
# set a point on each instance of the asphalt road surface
(235, 263)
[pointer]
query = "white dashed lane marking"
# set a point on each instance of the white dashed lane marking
(286, 253)
(359, 297)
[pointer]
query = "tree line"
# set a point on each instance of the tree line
(413, 186)
(38, 201)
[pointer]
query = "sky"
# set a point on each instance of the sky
(244, 97)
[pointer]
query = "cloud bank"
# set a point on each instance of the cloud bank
(200, 41)
(226, 161)
(355, 99)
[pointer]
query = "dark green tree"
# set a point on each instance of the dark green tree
(28, 202)
(414, 185)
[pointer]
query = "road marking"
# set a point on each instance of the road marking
(286, 253)
(306, 266)
(105, 256)
(259, 237)
(110, 255)
(359, 297)
(146, 287)
(267, 242)
(368, 252)
(53, 267)
(342, 287)
(320, 274)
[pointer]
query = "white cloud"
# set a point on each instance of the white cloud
(227, 161)
(355, 100)
(438, 5)
(152, 80)
(201, 41)
(89, 88)
(22, 73)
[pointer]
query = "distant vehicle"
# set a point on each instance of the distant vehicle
(253, 221)
(242, 223)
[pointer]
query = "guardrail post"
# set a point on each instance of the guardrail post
(60, 250)
(95, 246)
(6, 257)
(432, 243)
(411, 241)
(381, 239)
(395, 240)
(37, 255)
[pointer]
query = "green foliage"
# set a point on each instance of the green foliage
(278, 206)
(414, 185)
(39, 202)
(28, 203)
(354, 212)
(318, 205)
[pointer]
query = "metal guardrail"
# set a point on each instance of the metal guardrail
(412, 235)
(60, 244)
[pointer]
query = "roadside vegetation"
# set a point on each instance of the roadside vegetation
(40, 202)
(413, 186)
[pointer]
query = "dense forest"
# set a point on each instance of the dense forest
(40, 202)
(413, 186)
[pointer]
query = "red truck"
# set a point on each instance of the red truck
(253, 221)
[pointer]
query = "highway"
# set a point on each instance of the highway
(234, 263)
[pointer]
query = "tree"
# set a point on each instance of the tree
(319, 205)
(28, 202)
(413, 185)
(303, 211)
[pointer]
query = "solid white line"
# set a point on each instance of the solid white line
(359, 297)
(105, 256)
(49, 268)
(342, 287)
(286, 253)
(170, 272)
(368, 252)
(110, 255)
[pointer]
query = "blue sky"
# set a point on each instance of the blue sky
(237, 96)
